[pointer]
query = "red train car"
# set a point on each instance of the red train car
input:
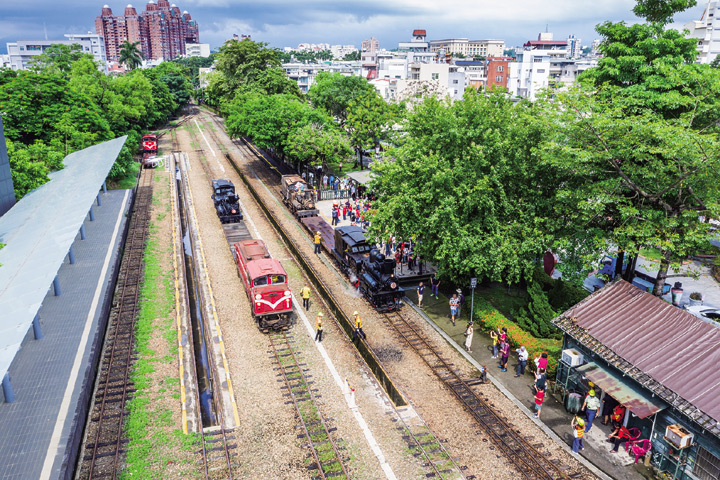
(266, 285)
(149, 150)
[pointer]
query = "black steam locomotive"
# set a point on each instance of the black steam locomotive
(368, 269)
(227, 203)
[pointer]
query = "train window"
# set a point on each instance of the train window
(260, 281)
(275, 279)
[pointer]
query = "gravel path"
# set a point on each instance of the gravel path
(431, 399)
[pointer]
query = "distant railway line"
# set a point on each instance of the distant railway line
(105, 440)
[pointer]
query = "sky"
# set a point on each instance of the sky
(283, 23)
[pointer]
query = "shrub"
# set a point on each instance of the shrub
(492, 319)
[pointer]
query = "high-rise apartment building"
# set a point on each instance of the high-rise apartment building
(162, 30)
(370, 45)
(707, 32)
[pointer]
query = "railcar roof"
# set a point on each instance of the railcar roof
(265, 266)
(352, 235)
(254, 249)
(38, 231)
(288, 179)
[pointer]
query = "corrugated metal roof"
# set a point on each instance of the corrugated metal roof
(639, 403)
(39, 231)
(664, 348)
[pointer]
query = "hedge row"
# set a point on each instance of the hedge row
(492, 319)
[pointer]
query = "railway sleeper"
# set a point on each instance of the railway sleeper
(106, 444)
(104, 454)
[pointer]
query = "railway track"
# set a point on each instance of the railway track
(530, 462)
(328, 461)
(218, 441)
(105, 441)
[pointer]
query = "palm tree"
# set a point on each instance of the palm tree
(131, 55)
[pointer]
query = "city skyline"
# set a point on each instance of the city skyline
(281, 23)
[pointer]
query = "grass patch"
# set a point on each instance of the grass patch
(126, 182)
(505, 302)
(153, 443)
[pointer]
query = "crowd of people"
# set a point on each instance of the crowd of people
(355, 210)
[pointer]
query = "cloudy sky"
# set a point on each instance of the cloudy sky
(286, 23)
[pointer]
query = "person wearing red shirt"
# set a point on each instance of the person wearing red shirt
(539, 397)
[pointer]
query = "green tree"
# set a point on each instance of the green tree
(130, 55)
(467, 183)
(58, 59)
(318, 144)
(239, 69)
(270, 119)
(369, 121)
(324, 55)
(194, 64)
(636, 143)
(334, 92)
(31, 164)
(352, 56)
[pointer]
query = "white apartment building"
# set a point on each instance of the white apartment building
(339, 51)
(707, 32)
(574, 47)
(23, 51)
(542, 64)
(304, 74)
(469, 48)
(197, 49)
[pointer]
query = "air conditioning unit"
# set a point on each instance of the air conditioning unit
(572, 357)
(678, 436)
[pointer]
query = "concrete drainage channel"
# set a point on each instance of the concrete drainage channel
(345, 323)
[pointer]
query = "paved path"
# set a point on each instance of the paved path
(41, 370)
(519, 389)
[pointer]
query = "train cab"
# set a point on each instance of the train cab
(149, 143)
(265, 284)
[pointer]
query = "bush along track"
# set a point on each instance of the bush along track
(157, 446)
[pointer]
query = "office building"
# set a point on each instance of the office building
(21, 53)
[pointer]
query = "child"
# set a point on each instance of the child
(539, 397)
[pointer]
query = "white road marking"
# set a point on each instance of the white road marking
(52, 450)
(348, 394)
(208, 144)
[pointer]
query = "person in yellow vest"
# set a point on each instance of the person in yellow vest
(318, 325)
(578, 425)
(318, 239)
(358, 327)
(305, 294)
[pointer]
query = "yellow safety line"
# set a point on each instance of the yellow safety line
(214, 312)
(177, 309)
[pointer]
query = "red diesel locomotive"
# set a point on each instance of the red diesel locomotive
(266, 285)
(149, 150)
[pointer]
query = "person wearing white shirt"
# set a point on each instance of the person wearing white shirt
(523, 356)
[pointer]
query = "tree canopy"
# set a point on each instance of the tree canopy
(333, 92)
(130, 55)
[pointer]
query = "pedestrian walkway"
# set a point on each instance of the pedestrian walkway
(554, 418)
(53, 377)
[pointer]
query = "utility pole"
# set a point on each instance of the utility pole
(473, 284)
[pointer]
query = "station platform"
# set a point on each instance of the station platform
(53, 377)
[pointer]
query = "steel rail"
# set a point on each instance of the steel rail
(297, 396)
(121, 356)
(216, 401)
(530, 462)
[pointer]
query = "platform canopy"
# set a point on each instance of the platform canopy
(38, 232)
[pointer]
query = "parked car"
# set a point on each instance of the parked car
(705, 312)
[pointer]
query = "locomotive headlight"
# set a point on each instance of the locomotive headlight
(258, 296)
(393, 285)
(287, 293)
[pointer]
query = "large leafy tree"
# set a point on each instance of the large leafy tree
(318, 144)
(130, 55)
(270, 119)
(334, 92)
(58, 59)
(244, 67)
(637, 143)
(370, 120)
(468, 184)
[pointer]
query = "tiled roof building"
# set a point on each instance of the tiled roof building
(161, 29)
